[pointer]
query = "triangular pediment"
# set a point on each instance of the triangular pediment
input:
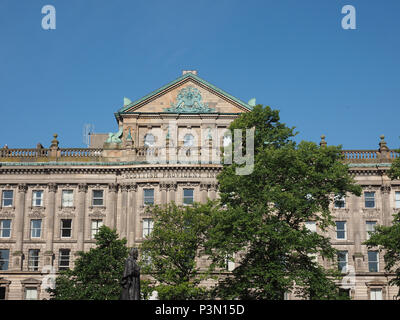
(187, 94)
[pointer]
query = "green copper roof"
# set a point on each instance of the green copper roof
(183, 77)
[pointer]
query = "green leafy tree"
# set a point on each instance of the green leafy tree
(265, 211)
(170, 253)
(97, 273)
(387, 238)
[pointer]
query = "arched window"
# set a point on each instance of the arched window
(149, 140)
(188, 140)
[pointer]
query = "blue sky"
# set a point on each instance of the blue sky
(291, 55)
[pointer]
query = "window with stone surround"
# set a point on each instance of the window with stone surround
(340, 201)
(66, 228)
(37, 198)
(147, 227)
(67, 199)
(31, 293)
(370, 228)
(149, 140)
(369, 198)
(63, 259)
(148, 197)
(376, 294)
(342, 258)
(96, 224)
(7, 198)
(397, 199)
(36, 228)
(188, 196)
(33, 259)
(98, 198)
(5, 228)
(4, 259)
(373, 261)
(341, 232)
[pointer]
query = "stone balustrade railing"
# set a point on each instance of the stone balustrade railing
(143, 154)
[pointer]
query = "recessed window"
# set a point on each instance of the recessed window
(5, 228)
(37, 198)
(370, 227)
(98, 197)
(66, 228)
(31, 294)
(188, 140)
(376, 294)
(96, 224)
(149, 140)
(341, 230)
(188, 196)
(63, 259)
(397, 199)
(342, 260)
(369, 198)
(373, 261)
(4, 259)
(7, 198)
(147, 227)
(340, 201)
(33, 259)
(148, 196)
(36, 228)
(67, 198)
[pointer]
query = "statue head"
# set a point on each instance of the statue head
(134, 253)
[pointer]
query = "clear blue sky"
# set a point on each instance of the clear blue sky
(291, 55)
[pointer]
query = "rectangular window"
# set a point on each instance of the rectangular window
(342, 261)
(148, 196)
(376, 294)
(2, 293)
(33, 259)
(341, 230)
(188, 196)
(66, 228)
(370, 227)
(7, 198)
(37, 198)
(5, 228)
(36, 228)
(369, 198)
(98, 199)
(31, 294)
(147, 227)
(311, 225)
(4, 259)
(67, 198)
(96, 224)
(373, 261)
(397, 199)
(63, 261)
(340, 202)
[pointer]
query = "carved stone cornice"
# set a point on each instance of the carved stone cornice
(6, 214)
(125, 187)
(172, 186)
(23, 188)
(133, 187)
(52, 187)
(82, 187)
(113, 187)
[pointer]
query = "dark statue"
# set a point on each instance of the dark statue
(131, 278)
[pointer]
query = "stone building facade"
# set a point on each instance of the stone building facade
(167, 148)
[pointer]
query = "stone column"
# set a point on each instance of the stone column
(172, 192)
(163, 188)
(111, 220)
(203, 192)
(124, 210)
(132, 213)
(386, 213)
(82, 191)
(51, 211)
(19, 223)
(213, 191)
